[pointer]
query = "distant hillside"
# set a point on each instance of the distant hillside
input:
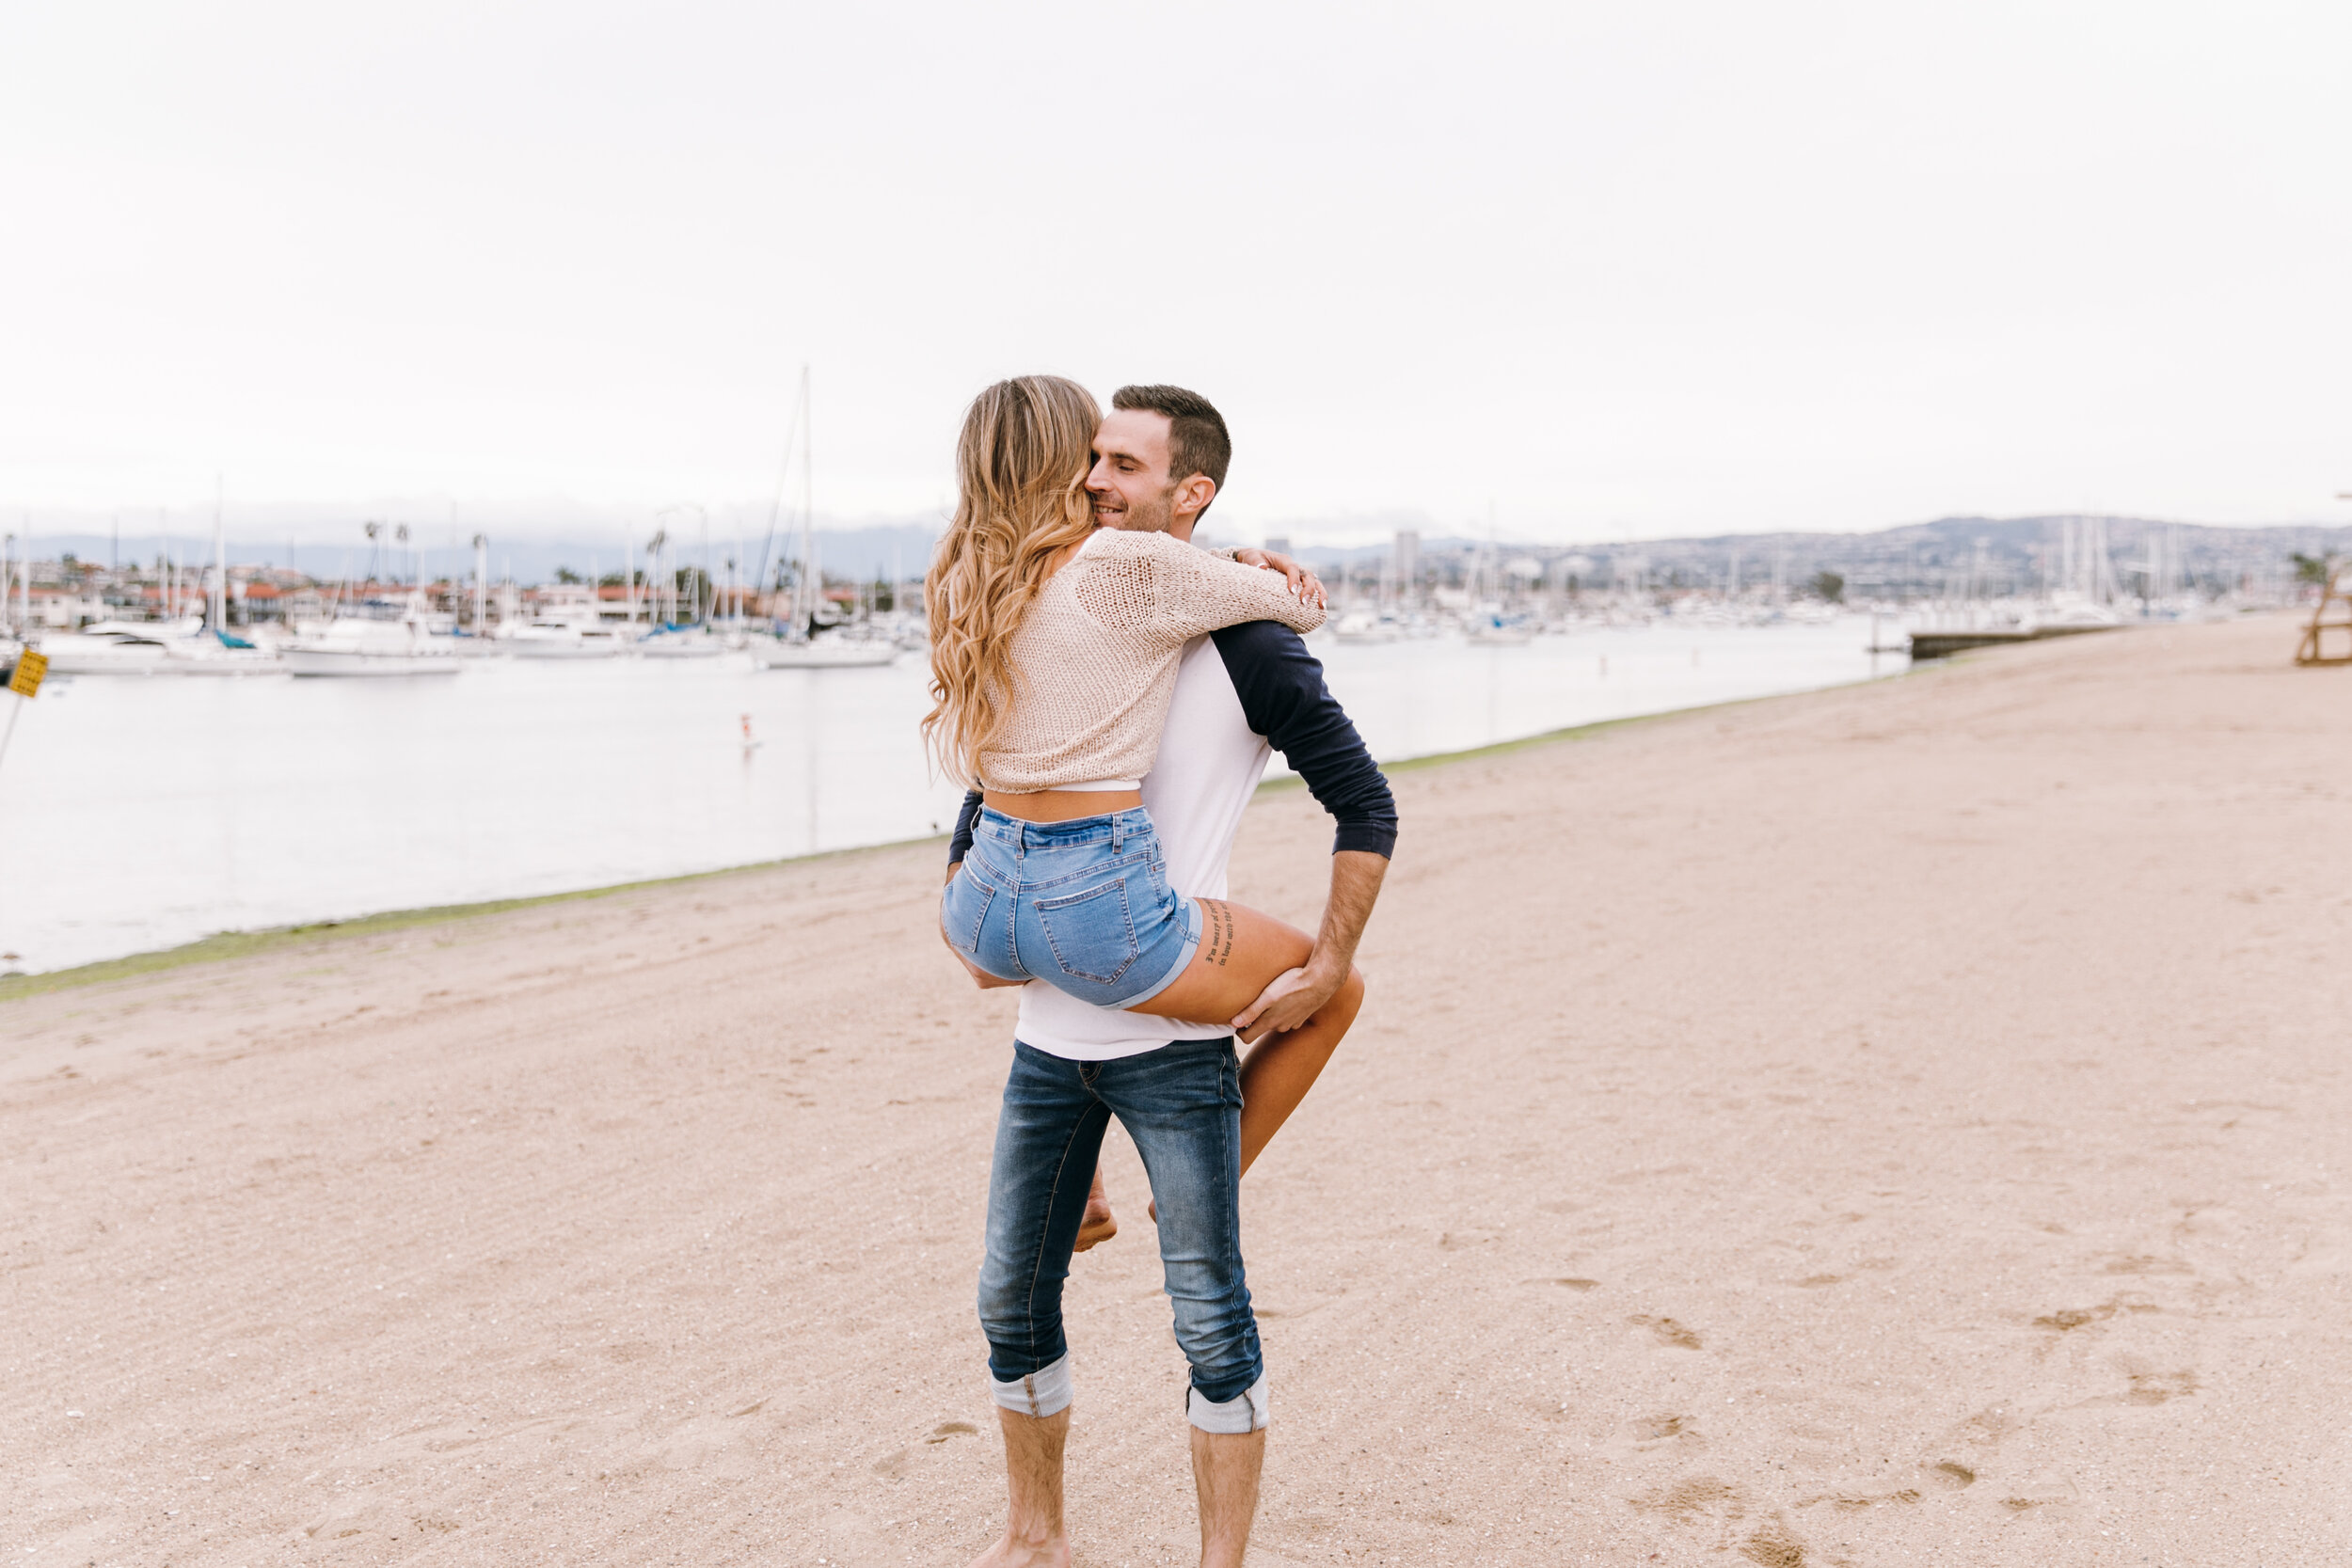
(1991, 554)
(1922, 556)
(859, 553)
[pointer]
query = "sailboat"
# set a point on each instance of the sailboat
(800, 646)
(216, 650)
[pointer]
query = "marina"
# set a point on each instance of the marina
(138, 814)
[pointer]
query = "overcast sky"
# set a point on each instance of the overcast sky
(1618, 270)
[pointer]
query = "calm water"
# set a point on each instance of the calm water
(140, 813)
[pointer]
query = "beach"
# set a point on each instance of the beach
(1900, 1123)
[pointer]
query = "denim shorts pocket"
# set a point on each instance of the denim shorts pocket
(1092, 933)
(963, 908)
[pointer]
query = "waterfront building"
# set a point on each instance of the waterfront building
(1405, 564)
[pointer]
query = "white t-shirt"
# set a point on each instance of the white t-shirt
(1210, 762)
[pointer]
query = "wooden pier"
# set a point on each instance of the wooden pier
(1943, 645)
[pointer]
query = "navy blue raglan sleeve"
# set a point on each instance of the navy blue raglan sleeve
(1284, 699)
(960, 844)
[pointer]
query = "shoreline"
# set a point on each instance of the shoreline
(220, 946)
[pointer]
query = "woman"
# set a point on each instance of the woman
(1054, 656)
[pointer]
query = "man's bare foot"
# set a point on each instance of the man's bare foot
(1051, 1552)
(1098, 1224)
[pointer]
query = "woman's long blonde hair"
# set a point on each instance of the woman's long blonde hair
(1020, 471)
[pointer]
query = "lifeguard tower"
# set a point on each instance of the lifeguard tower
(2328, 638)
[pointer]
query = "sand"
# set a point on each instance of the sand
(1899, 1124)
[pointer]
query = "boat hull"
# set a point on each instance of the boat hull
(264, 664)
(345, 662)
(552, 647)
(819, 655)
(115, 659)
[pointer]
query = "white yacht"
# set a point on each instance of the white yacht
(1362, 625)
(115, 648)
(359, 647)
(568, 639)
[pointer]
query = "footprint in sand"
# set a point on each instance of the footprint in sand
(2069, 1319)
(892, 1466)
(2156, 1388)
(1696, 1502)
(1668, 1331)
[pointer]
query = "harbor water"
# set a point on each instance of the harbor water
(137, 812)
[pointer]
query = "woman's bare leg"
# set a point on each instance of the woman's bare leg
(1281, 1069)
(1241, 952)
(1275, 1076)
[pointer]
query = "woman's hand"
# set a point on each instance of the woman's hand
(1302, 579)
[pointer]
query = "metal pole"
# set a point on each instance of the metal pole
(220, 563)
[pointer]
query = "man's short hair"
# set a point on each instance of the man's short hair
(1197, 442)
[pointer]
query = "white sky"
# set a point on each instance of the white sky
(1619, 269)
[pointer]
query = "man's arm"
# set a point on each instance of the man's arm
(959, 844)
(1284, 698)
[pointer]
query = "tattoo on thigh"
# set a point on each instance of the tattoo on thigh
(1216, 943)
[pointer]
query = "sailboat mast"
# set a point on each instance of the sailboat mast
(220, 563)
(809, 568)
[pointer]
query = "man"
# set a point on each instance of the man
(1196, 1115)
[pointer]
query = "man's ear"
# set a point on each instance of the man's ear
(1193, 496)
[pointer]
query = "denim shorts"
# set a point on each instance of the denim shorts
(1084, 905)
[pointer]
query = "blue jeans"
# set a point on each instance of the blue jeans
(1181, 1105)
(1084, 905)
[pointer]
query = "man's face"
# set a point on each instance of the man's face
(1128, 482)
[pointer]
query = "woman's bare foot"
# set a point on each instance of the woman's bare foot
(1097, 1225)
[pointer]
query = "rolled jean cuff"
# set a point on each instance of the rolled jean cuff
(1246, 1411)
(1043, 1392)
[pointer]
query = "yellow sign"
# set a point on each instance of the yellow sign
(30, 667)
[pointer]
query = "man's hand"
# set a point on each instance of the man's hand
(980, 977)
(1293, 996)
(1296, 995)
(1302, 579)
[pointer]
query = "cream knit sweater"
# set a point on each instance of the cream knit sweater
(1096, 656)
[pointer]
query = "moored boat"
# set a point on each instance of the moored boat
(825, 651)
(110, 648)
(548, 638)
(374, 648)
(216, 653)
(680, 642)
